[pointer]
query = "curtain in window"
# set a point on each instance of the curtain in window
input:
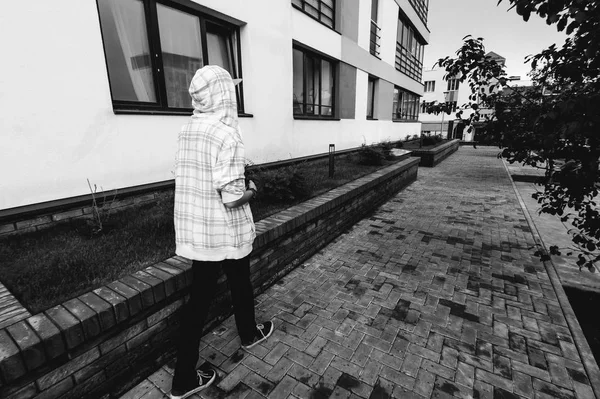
(127, 50)
(218, 51)
(310, 85)
(399, 32)
(397, 105)
(220, 48)
(298, 61)
(326, 88)
(370, 95)
(182, 53)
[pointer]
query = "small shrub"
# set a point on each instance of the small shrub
(399, 144)
(386, 148)
(415, 137)
(100, 212)
(370, 155)
(429, 140)
(281, 184)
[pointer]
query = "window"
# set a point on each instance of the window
(409, 50)
(371, 97)
(321, 10)
(429, 86)
(153, 51)
(313, 84)
(374, 44)
(453, 84)
(405, 106)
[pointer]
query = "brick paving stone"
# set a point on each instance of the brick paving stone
(436, 294)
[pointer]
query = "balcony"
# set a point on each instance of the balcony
(407, 63)
(421, 8)
(375, 41)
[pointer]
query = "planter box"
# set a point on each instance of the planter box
(104, 342)
(437, 154)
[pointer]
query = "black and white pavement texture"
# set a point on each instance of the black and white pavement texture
(437, 294)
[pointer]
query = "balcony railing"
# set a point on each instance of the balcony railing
(375, 45)
(407, 63)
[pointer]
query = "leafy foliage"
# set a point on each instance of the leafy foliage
(101, 210)
(371, 155)
(280, 184)
(431, 140)
(553, 125)
(386, 147)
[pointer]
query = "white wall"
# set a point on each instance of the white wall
(364, 24)
(388, 21)
(57, 123)
(441, 86)
(58, 126)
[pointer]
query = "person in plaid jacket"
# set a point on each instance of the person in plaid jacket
(213, 221)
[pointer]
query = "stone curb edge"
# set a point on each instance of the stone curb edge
(436, 149)
(581, 343)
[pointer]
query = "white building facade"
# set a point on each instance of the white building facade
(439, 89)
(97, 89)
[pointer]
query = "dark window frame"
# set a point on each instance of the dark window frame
(453, 84)
(314, 55)
(413, 116)
(372, 95)
(431, 86)
(304, 4)
(158, 77)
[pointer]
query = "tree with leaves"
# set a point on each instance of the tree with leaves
(556, 124)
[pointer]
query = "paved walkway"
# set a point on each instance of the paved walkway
(436, 295)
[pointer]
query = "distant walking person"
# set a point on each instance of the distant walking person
(213, 222)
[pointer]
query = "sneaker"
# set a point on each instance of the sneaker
(205, 378)
(263, 331)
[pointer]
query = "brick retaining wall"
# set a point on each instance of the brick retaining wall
(436, 155)
(49, 219)
(104, 342)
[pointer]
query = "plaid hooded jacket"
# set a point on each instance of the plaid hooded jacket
(209, 171)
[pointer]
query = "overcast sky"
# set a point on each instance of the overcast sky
(505, 32)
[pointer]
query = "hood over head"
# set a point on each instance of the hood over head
(213, 94)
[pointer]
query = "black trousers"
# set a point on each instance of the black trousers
(195, 311)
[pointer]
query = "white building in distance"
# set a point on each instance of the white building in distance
(436, 88)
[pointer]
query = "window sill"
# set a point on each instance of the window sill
(314, 118)
(150, 112)
(162, 112)
(372, 119)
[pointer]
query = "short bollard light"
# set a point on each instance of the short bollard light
(331, 162)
